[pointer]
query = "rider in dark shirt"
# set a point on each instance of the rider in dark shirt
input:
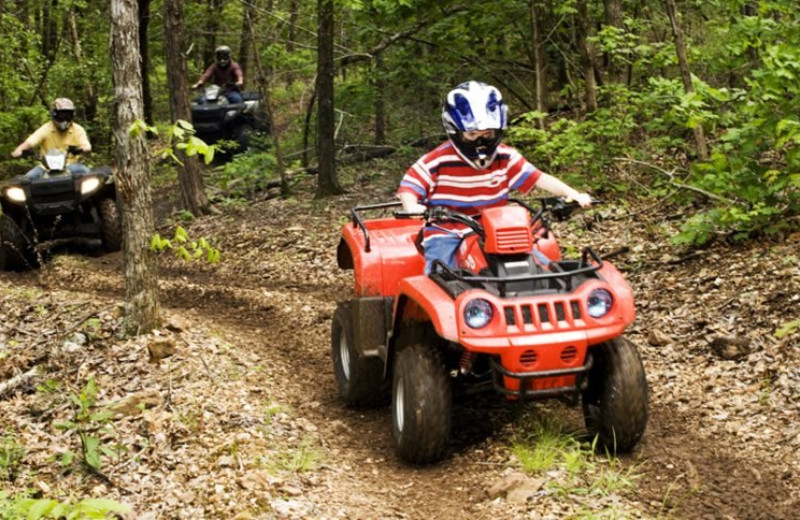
(226, 73)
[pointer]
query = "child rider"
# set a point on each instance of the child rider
(472, 171)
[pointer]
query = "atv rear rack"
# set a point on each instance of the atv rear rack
(525, 378)
(357, 222)
(448, 274)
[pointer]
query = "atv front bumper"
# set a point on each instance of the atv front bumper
(539, 346)
(523, 386)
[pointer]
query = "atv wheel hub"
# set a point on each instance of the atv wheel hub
(344, 353)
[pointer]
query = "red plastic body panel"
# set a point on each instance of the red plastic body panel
(508, 230)
(435, 305)
(534, 344)
(469, 254)
(548, 245)
(392, 256)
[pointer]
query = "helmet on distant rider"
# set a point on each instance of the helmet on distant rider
(223, 55)
(62, 112)
(475, 109)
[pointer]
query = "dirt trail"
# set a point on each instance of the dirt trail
(271, 301)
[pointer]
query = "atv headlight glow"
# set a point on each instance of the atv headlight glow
(230, 114)
(89, 184)
(478, 313)
(599, 303)
(16, 194)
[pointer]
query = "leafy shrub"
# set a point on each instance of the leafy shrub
(244, 176)
(14, 508)
(756, 162)
(184, 247)
(11, 455)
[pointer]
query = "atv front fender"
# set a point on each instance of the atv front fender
(420, 299)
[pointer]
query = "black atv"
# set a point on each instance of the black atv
(215, 119)
(57, 205)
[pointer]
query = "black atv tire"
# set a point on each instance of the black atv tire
(615, 402)
(16, 252)
(110, 225)
(359, 378)
(422, 405)
(242, 137)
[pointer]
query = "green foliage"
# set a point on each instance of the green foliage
(90, 426)
(546, 446)
(22, 506)
(180, 136)
(185, 248)
(756, 161)
(11, 455)
(243, 176)
(305, 457)
(788, 329)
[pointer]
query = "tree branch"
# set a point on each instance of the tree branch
(673, 182)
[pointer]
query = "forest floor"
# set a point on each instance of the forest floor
(243, 419)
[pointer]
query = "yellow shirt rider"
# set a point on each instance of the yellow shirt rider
(59, 133)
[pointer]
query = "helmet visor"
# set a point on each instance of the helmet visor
(223, 55)
(471, 136)
(63, 116)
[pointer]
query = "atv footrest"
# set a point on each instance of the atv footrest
(525, 378)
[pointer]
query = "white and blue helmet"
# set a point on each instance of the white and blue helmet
(474, 106)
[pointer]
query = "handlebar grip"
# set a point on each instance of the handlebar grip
(408, 215)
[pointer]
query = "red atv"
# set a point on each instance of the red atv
(513, 316)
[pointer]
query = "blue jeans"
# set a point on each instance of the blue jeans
(442, 248)
(234, 96)
(37, 171)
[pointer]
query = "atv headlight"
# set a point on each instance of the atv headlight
(599, 303)
(230, 114)
(15, 194)
(478, 313)
(89, 184)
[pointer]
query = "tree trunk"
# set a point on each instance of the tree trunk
(305, 161)
(90, 98)
(144, 51)
(49, 30)
(213, 17)
(539, 59)
(380, 101)
(587, 57)
(190, 174)
(686, 75)
(263, 80)
(133, 171)
(50, 41)
(327, 183)
(616, 70)
(246, 40)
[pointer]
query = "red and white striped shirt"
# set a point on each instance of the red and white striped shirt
(442, 178)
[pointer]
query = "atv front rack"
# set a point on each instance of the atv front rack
(525, 378)
(448, 274)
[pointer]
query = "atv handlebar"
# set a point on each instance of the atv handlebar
(559, 207)
(71, 150)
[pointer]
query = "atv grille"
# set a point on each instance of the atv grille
(542, 316)
(569, 354)
(513, 239)
(50, 190)
(527, 358)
